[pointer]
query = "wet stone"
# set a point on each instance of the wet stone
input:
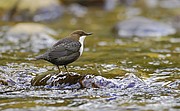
(27, 10)
(60, 81)
(142, 27)
(27, 37)
(76, 81)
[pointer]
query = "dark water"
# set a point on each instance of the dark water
(154, 60)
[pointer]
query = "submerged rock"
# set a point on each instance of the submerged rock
(27, 37)
(76, 81)
(58, 80)
(143, 27)
(29, 10)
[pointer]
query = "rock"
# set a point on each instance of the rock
(142, 27)
(41, 80)
(29, 10)
(128, 81)
(28, 37)
(58, 80)
(76, 81)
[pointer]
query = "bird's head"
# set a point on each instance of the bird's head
(79, 34)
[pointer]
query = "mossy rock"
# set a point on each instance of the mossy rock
(53, 79)
(29, 37)
(41, 80)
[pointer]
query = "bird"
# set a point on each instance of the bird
(66, 50)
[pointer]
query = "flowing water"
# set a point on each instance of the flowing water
(153, 60)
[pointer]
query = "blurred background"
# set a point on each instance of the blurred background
(124, 30)
(129, 36)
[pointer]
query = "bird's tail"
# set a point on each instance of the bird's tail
(39, 57)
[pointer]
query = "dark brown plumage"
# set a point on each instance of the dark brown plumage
(66, 50)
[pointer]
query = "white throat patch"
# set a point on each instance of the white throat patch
(81, 40)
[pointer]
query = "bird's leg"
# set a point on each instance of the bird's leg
(58, 69)
(66, 69)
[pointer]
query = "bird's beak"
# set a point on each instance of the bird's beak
(90, 33)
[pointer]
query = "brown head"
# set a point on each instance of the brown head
(78, 34)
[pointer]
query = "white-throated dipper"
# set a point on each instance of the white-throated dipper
(66, 50)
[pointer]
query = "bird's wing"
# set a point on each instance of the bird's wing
(64, 49)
